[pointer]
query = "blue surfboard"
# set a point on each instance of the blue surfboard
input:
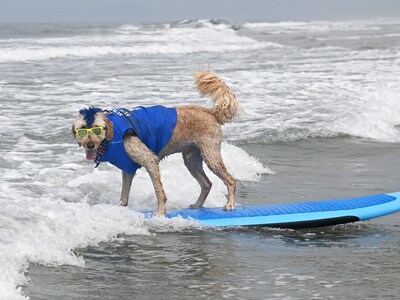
(297, 215)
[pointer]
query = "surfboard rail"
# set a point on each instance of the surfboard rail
(297, 215)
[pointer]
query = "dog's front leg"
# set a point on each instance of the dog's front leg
(126, 187)
(142, 155)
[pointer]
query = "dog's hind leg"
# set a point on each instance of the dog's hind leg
(212, 156)
(194, 162)
(141, 154)
(126, 187)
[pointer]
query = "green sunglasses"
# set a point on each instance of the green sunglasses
(84, 131)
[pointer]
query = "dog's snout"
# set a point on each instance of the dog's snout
(90, 145)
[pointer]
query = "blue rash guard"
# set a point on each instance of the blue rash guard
(153, 126)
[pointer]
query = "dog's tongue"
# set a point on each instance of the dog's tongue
(90, 154)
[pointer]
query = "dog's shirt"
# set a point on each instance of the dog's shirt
(152, 125)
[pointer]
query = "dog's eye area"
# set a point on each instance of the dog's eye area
(84, 131)
(97, 130)
(81, 132)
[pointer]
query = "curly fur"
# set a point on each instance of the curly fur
(227, 106)
(197, 135)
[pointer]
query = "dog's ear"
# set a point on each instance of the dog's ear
(74, 134)
(73, 131)
(109, 129)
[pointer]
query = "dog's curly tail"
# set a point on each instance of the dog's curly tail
(227, 106)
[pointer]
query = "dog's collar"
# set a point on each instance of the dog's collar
(100, 152)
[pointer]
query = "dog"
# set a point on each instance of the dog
(142, 137)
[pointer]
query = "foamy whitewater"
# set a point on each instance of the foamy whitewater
(294, 81)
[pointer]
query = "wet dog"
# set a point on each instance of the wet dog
(130, 139)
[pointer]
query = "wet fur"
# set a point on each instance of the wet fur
(197, 135)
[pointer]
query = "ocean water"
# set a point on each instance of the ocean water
(320, 120)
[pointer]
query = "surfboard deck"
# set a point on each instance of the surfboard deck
(297, 215)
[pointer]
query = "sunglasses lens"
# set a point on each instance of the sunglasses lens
(97, 130)
(81, 132)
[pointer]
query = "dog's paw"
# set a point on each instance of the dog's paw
(159, 213)
(194, 205)
(123, 203)
(229, 206)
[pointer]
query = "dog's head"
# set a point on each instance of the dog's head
(91, 127)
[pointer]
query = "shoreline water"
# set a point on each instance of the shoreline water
(320, 263)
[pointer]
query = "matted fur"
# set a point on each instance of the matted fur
(197, 135)
(209, 84)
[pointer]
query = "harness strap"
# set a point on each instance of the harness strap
(100, 152)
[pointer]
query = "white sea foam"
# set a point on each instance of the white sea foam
(44, 53)
(375, 116)
(319, 26)
(131, 40)
(322, 94)
(52, 210)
